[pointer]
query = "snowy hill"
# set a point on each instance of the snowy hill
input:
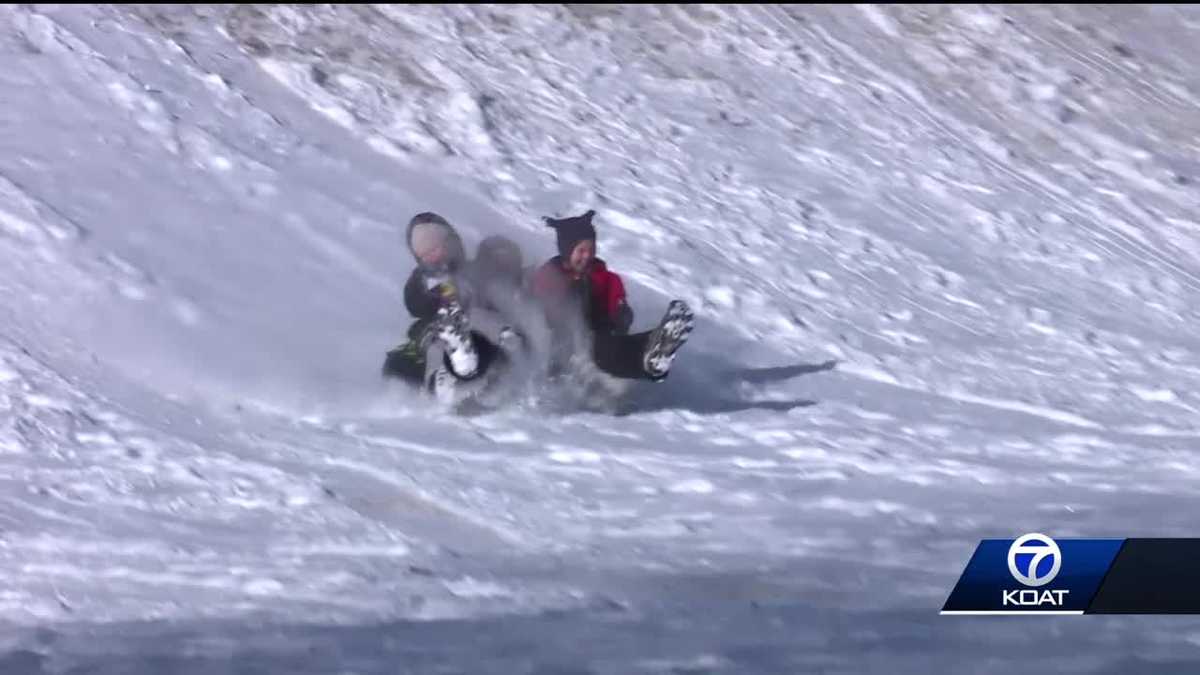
(946, 263)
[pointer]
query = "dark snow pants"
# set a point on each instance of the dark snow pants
(621, 355)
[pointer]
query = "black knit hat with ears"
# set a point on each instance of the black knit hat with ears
(572, 230)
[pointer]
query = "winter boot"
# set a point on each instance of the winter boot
(453, 330)
(667, 338)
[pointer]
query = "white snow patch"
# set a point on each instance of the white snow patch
(1017, 406)
(879, 18)
(1154, 395)
(694, 486)
(807, 452)
(43, 401)
(859, 509)
(749, 463)
(263, 587)
(510, 436)
(15, 226)
(100, 438)
(772, 437)
(576, 457)
(958, 300)
(867, 372)
(721, 296)
(470, 587)
(640, 227)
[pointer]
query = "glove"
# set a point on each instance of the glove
(440, 284)
(446, 291)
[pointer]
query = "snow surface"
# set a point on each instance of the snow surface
(945, 259)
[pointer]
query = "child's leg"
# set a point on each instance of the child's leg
(648, 355)
(621, 355)
(405, 362)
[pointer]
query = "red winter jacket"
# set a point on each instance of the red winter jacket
(600, 292)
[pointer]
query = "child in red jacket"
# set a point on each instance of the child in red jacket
(577, 285)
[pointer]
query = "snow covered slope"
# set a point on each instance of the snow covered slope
(986, 216)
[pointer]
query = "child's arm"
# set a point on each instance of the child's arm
(620, 315)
